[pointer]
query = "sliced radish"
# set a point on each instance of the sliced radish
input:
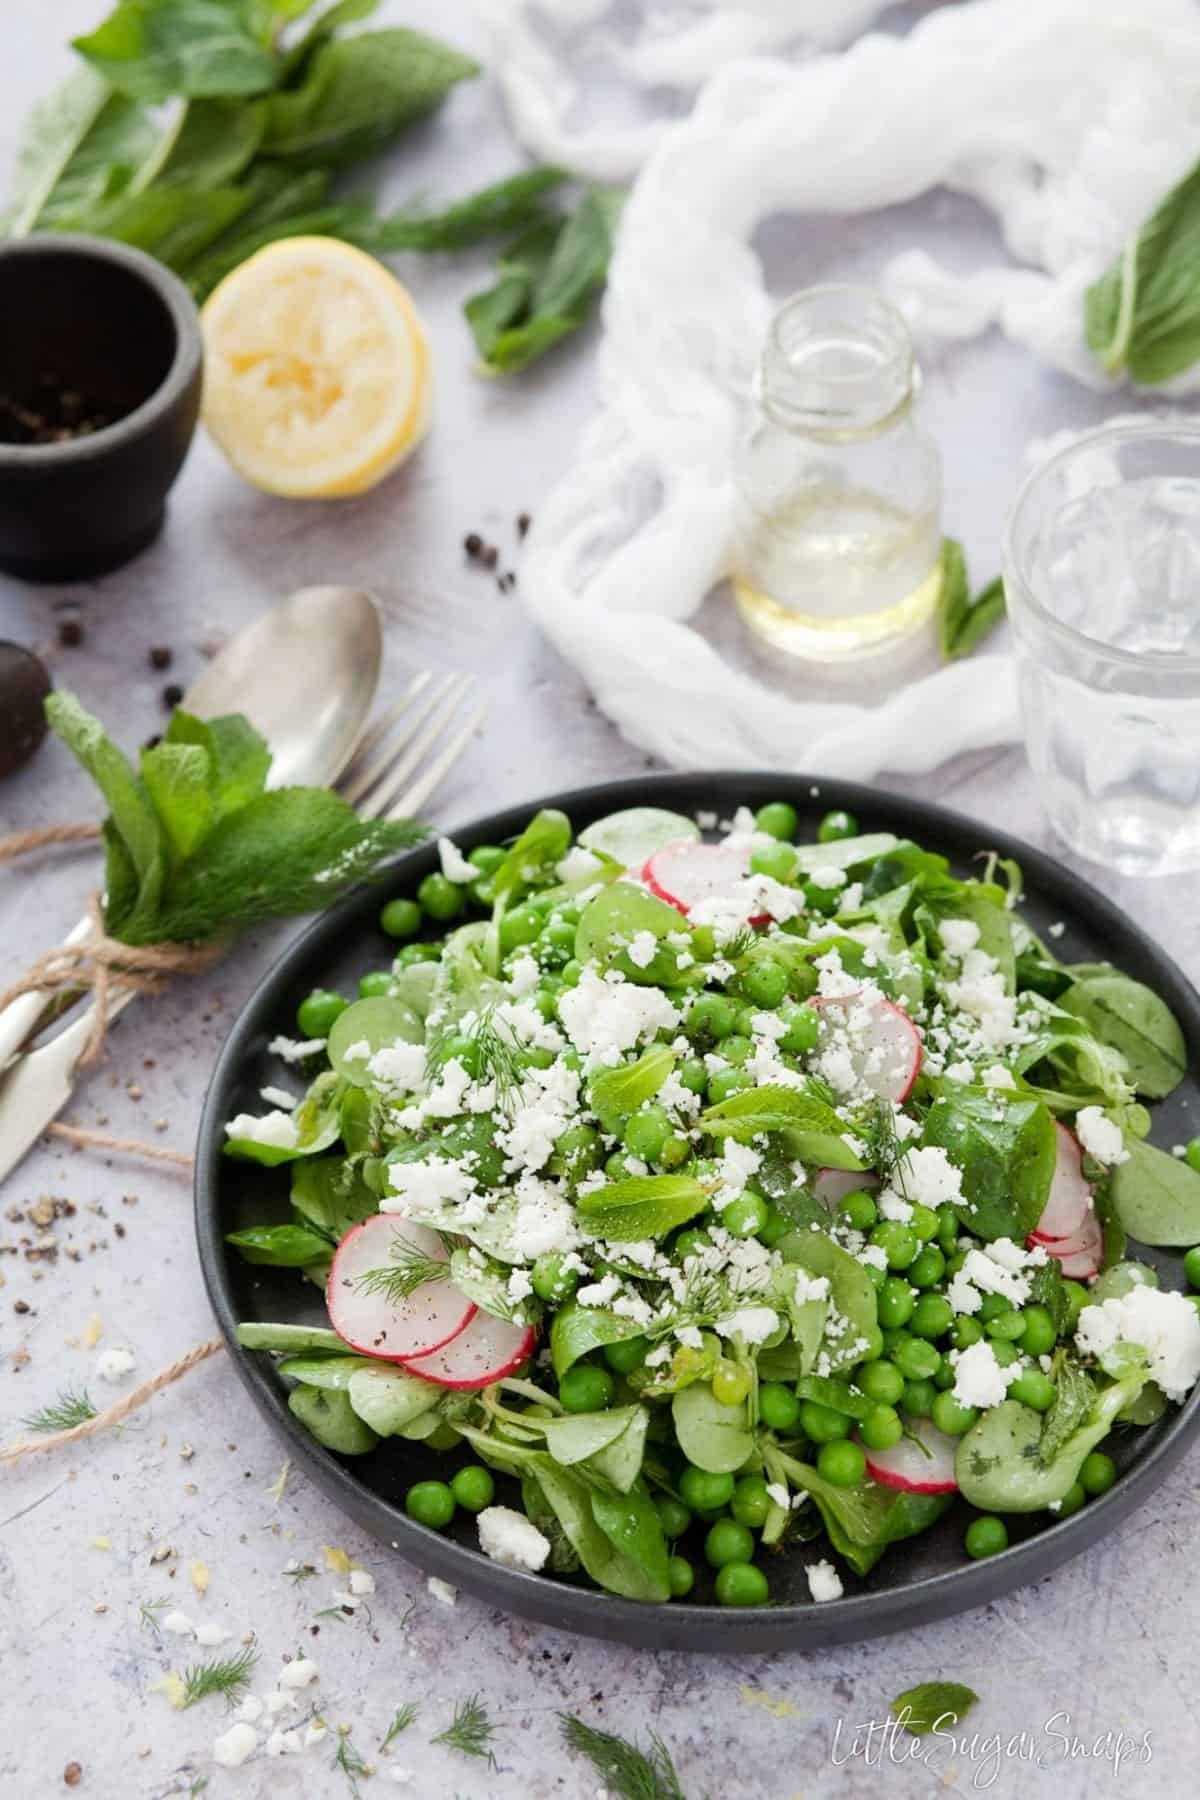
(1082, 1254)
(907, 1466)
(376, 1325)
(684, 874)
(830, 1186)
(1070, 1199)
(486, 1350)
(883, 1043)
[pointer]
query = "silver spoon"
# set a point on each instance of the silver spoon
(305, 674)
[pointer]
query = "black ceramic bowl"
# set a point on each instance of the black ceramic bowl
(915, 1582)
(99, 336)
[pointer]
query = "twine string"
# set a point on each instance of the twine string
(120, 1409)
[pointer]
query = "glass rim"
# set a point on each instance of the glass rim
(880, 323)
(1178, 662)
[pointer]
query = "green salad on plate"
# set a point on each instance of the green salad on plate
(707, 1196)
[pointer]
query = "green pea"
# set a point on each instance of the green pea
(673, 1515)
(745, 1216)
(691, 1243)
(947, 1226)
(374, 983)
(751, 1502)
(559, 936)
(693, 1075)
(727, 1082)
(705, 1491)
(1072, 1500)
(728, 1542)
(1098, 1473)
(778, 1407)
(1192, 1154)
(520, 926)
(965, 1331)
(923, 1221)
(1009, 1325)
(401, 918)
(859, 1210)
(1004, 1351)
(486, 858)
(1077, 1298)
(945, 1376)
(460, 1049)
(881, 1381)
(586, 1388)
(646, 1132)
(802, 1027)
(895, 1303)
(681, 1576)
(932, 1315)
(893, 1339)
(951, 1416)
(1038, 1336)
(821, 1423)
(775, 1226)
(741, 1584)
(430, 1503)
(625, 1354)
(1191, 1262)
(736, 1049)
(730, 1382)
(473, 1488)
(986, 1536)
(991, 1306)
(779, 861)
(918, 1398)
(710, 1019)
(928, 1268)
(617, 1168)
(410, 954)
(842, 1464)
(483, 892)
(882, 1427)
(778, 819)
(704, 943)
(897, 1242)
(317, 1011)
(918, 1360)
(551, 1281)
(674, 1152)
(765, 982)
(835, 826)
(571, 973)
(1033, 1388)
(440, 898)
(821, 900)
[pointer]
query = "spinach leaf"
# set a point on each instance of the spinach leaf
(328, 1414)
(291, 1340)
(862, 1521)
(130, 905)
(359, 93)
(1000, 1466)
(331, 1196)
(932, 1703)
(1069, 1066)
(563, 1558)
(610, 922)
(576, 1331)
(279, 1246)
(613, 1094)
(80, 146)
(964, 619)
(852, 1333)
(1156, 1197)
(1004, 1148)
(611, 1443)
(641, 1206)
(535, 305)
(151, 49)
(1144, 313)
(389, 1400)
(322, 1371)
(1132, 1019)
(618, 1538)
(711, 1435)
(812, 1130)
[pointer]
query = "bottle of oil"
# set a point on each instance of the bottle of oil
(839, 539)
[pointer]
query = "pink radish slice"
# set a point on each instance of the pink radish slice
(830, 1186)
(486, 1350)
(685, 874)
(883, 1043)
(907, 1467)
(1081, 1255)
(373, 1323)
(1070, 1199)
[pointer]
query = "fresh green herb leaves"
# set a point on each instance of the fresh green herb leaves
(194, 845)
(628, 1772)
(72, 1407)
(932, 1703)
(1132, 1019)
(402, 1718)
(546, 283)
(1143, 315)
(152, 49)
(811, 1130)
(409, 1269)
(642, 1206)
(470, 1732)
(1155, 1196)
(1004, 1148)
(964, 619)
(227, 1676)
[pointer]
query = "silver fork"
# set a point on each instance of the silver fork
(400, 763)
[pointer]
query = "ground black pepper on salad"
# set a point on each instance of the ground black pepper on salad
(726, 1196)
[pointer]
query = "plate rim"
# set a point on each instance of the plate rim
(594, 1612)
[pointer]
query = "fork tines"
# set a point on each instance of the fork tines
(410, 749)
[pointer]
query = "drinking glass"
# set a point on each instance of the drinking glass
(1102, 574)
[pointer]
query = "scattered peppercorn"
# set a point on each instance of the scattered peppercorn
(73, 1774)
(70, 633)
(523, 523)
(20, 1306)
(489, 556)
(172, 694)
(472, 544)
(160, 657)
(506, 582)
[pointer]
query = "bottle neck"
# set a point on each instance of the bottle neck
(837, 364)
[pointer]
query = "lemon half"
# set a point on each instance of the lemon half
(316, 378)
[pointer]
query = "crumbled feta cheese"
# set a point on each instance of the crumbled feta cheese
(643, 948)
(605, 1016)
(689, 1336)
(298, 1673)
(235, 1746)
(400, 1066)
(958, 935)
(250, 1711)
(455, 866)
(827, 878)
(928, 1176)
(284, 1743)
(961, 1072)
(1164, 1324)
(894, 1206)
(979, 1380)
(980, 991)
(599, 1293)
(295, 1050)
(361, 1582)
(579, 864)
(278, 1130)
(277, 1096)
(1057, 929)
(358, 1051)
(544, 1221)
(178, 1624)
(1100, 1136)
(523, 974)
(315, 1734)
(738, 1163)
(511, 1539)
(824, 1582)
(211, 1635)
(114, 1365)
(753, 1324)
(779, 1494)
(428, 1186)
(997, 1076)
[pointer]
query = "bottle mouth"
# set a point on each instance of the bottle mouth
(838, 361)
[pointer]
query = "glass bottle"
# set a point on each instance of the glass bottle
(839, 537)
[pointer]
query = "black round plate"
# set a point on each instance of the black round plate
(925, 1579)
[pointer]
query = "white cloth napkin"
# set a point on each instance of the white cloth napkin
(1066, 119)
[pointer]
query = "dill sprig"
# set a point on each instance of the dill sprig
(408, 1270)
(739, 945)
(148, 1612)
(228, 1677)
(347, 1759)
(402, 1718)
(302, 1572)
(627, 1772)
(73, 1407)
(471, 1731)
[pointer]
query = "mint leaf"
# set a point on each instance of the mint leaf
(343, 12)
(80, 145)
(504, 206)
(490, 313)
(172, 223)
(211, 144)
(136, 846)
(1143, 315)
(239, 756)
(541, 297)
(931, 1703)
(359, 93)
(151, 49)
(964, 619)
(178, 779)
